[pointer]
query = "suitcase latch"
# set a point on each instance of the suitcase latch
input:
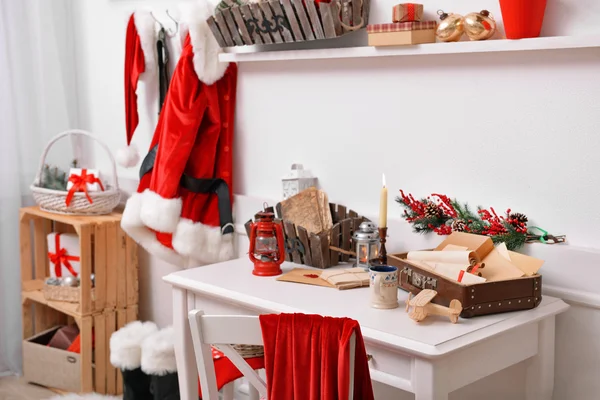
(419, 280)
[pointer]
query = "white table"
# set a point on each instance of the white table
(430, 359)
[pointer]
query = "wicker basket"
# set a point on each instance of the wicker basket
(64, 293)
(55, 200)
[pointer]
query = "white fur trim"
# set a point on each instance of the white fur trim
(128, 157)
(126, 344)
(206, 49)
(203, 243)
(158, 353)
(159, 213)
(145, 26)
(132, 224)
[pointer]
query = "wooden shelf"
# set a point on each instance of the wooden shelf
(249, 54)
(32, 290)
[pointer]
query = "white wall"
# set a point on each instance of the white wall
(506, 130)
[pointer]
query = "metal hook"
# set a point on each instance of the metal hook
(157, 21)
(174, 20)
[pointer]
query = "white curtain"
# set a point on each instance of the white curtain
(37, 101)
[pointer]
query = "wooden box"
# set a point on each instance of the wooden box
(314, 249)
(287, 21)
(105, 251)
(404, 33)
(111, 255)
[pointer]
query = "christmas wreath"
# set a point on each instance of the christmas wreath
(438, 213)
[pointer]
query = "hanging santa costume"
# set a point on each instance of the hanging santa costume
(182, 209)
(140, 64)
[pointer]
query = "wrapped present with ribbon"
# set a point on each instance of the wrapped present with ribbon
(63, 252)
(83, 180)
(403, 33)
(407, 12)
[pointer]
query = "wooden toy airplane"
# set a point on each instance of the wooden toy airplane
(422, 307)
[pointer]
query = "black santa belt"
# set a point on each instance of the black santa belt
(217, 186)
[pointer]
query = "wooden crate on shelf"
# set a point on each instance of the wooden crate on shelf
(105, 250)
(111, 255)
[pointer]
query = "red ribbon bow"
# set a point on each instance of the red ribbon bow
(80, 185)
(61, 257)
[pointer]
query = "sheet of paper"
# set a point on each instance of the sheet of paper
(498, 268)
(503, 251)
(451, 257)
(469, 279)
(529, 265)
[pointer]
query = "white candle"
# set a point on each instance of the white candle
(383, 205)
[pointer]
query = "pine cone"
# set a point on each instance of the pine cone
(432, 210)
(517, 219)
(458, 225)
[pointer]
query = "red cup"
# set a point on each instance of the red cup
(522, 18)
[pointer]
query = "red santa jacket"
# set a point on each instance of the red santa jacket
(193, 146)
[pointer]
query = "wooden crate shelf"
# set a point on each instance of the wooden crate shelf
(105, 250)
(111, 255)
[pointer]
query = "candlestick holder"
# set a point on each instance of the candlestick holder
(382, 250)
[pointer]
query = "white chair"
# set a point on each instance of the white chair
(223, 331)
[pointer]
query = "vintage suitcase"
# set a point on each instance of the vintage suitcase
(478, 299)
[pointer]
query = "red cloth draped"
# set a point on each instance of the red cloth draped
(307, 357)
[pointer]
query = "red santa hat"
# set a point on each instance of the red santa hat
(140, 58)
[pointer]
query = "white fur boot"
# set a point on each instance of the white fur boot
(158, 361)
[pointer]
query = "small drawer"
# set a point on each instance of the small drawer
(389, 361)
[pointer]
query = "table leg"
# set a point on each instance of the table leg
(540, 369)
(428, 381)
(184, 353)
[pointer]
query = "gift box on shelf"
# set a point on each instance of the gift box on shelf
(511, 284)
(407, 12)
(402, 33)
(63, 254)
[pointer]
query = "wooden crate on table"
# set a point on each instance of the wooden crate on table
(287, 21)
(111, 255)
(314, 249)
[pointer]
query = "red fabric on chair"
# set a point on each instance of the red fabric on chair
(226, 372)
(307, 357)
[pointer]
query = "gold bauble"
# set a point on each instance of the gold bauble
(451, 27)
(480, 26)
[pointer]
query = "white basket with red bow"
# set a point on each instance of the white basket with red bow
(77, 201)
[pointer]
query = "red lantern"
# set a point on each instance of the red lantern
(267, 246)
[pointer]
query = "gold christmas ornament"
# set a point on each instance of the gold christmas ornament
(451, 28)
(480, 26)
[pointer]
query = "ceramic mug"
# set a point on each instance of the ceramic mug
(384, 286)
